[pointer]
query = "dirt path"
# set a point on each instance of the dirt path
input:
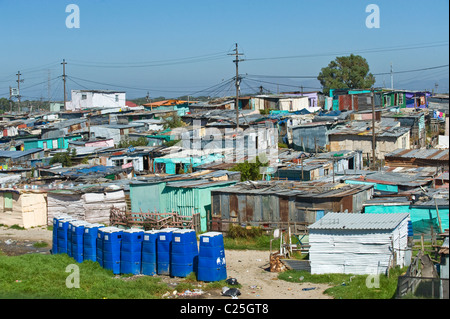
(248, 267)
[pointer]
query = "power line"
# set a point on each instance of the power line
(204, 58)
(373, 50)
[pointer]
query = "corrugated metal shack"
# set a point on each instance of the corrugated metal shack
(417, 158)
(359, 243)
(185, 195)
(277, 204)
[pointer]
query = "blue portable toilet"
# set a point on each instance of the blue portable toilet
(90, 241)
(163, 250)
(56, 219)
(148, 263)
(131, 251)
(99, 246)
(62, 234)
(77, 240)
(112, 241)
(184, 253)
(211, 258)
(101, 232)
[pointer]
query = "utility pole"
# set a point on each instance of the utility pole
(18, 87)
(236, 103)
(64, 80)
(392, 78)
(48, 89)
(373, 130)
(10, 100)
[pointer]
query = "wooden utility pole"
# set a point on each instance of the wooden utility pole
(236, 61)
(10, 100)
(64, 80)
(373, 131)
(18, 87)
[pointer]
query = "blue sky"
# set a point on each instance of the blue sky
(145, 45)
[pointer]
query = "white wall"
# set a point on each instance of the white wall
(95, 100)
(138, 161)
(357, 251)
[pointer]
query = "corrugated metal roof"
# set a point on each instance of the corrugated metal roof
(434, 154)
(359, 221)
(18, 154)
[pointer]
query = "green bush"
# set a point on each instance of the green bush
(237, 231)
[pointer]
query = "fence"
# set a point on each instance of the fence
(422, 287)
(153, 220)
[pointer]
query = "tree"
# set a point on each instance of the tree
(64, 158)
(346, 72)
(249, 171)
(173, 121)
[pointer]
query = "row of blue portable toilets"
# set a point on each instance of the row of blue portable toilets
(169, 251)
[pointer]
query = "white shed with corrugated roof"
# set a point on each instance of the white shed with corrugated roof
(359, 243)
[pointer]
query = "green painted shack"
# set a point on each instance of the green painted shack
(183, 196)
(424, 214)
(50, 143)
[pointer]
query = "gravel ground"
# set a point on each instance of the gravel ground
(248, 267)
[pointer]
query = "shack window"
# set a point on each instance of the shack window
(118, 162)
(117, 97)
(84, 97)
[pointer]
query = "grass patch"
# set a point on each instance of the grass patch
(40, 244)
(346, 286)
(16, 227)
(38, 276)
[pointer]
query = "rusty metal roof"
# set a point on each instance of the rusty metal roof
(433, 154)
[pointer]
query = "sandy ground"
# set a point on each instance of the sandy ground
(248, 267)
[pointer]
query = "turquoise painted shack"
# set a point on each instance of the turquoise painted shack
(50, 143)
(185, 197)
(182, 162)
(391, 182)
(424, 215)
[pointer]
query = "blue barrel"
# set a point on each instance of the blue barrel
(211, 258)
(90, 241)
(112, 241)
(56, 219)
(131, 251)
(77, 240)
(184, 253)
(148, 264)
(62, 234)
(163, 250)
